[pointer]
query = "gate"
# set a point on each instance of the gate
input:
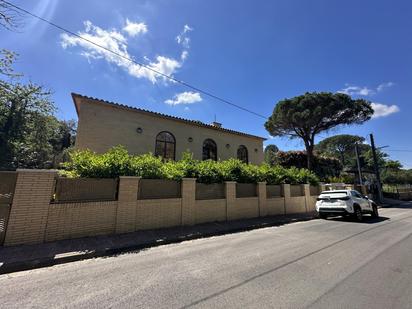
(7, 186)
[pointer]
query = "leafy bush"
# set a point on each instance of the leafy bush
(324, 167)
(117, 162)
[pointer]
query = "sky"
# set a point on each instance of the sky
(252, 53)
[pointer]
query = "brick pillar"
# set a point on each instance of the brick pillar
(306, 191)
(30, 207)
(126, 204)
(188, 201)
(263, 208)
(286, 194)
(230, 187)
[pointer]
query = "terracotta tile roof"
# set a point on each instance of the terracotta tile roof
(188, 121)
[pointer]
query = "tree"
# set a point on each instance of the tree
(7, 58)
(10, 17)
(270, 154)
(341, 146)
(30, 135)
(394, 165)
(323, 167)
(307, 115)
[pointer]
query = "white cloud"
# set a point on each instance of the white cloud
(356, 90)
(183, 37)
(365, 91)
(134, 29)
(113, 40)
(382, 110)
(187, 97)
(184, 55)
(384, 85)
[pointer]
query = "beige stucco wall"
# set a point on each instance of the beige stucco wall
(276, 206)
(247, 207)
(159, 213)
(295, 205)
(34, 219)
(102, 126)
(210, 210)
(73, 220)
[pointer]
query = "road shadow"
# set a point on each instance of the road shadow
(366, 219)
(401, 205)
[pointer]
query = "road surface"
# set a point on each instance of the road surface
(315, 264)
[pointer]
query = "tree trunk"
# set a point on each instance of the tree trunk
(309, 154)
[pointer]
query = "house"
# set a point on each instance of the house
(104, 124)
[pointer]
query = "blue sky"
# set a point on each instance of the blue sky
(253, 53)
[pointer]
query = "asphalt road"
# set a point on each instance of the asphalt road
(313, 264)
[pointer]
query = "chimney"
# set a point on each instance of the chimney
(216, 124)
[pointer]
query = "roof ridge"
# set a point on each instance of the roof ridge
(193, 122)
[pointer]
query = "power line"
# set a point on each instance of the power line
(207, 93)
(400, 150)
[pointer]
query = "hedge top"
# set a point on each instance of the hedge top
(118, 162)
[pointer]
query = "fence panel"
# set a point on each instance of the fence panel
(273, 191)
(296, 190)
(159, 189)
(314, 190)
(85, 189)
(210, 191)
(246, 190)
(7, 186)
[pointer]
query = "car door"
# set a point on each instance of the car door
(362, 201)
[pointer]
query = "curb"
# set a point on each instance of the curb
(49, 261)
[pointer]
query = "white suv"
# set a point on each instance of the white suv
(343, 203)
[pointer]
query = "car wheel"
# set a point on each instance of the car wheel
(323, 216)
(358, 214)
(375, 212)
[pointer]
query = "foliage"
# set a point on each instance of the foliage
(307, 115)
(393, 173)
(270, 154)
(324, 167)
(341, 147)
(343, 178)
(7, 58)
(10, 17)
(30, 135)
(117, 162)
(401, 176)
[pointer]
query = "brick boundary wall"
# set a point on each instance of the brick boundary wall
(34, 219)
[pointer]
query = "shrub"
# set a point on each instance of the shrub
(324, 167)
(117, 162)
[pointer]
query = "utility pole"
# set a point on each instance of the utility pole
(376, 168)
(358, 164)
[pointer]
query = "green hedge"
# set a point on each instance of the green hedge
(117, 162)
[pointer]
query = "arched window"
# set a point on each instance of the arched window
(242, 154)
(165, 145)
(209, 150)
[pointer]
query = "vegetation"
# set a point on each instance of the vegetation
(118, 162)
(10, 18)
(30, 135)
(393, 174)
(308, 115)
(270, 154)
(341, 147)
(323, 167)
